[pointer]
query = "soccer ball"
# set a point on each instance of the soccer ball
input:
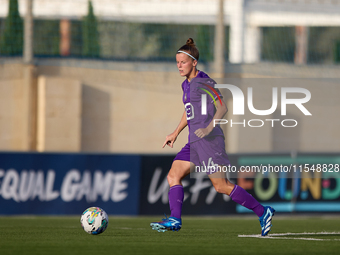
(94, 220)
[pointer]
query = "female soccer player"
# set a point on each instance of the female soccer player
(205, 146)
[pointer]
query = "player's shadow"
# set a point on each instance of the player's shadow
(95, 124)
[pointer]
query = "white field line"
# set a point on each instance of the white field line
(284, 236)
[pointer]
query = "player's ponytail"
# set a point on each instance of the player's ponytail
(190, 42)
(190, 49)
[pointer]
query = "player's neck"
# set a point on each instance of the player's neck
(192, 75)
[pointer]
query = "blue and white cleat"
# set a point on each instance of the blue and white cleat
(166, 224)
(266, 220)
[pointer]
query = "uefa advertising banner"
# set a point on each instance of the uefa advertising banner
(50, 183)
(313, 185)
(292, 183)
(56, 183)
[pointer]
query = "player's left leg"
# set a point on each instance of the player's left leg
(242, 197)
(236, 193)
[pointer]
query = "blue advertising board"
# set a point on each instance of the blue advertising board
(312, 185)
(58, 183)
(68, 183)
(311, 182)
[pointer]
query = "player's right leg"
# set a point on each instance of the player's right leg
(179, 169)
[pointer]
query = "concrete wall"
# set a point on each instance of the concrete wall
(125, 111)
(59, 114)
(11, 114)
(103, 106)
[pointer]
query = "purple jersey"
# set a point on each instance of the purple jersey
(193, 103)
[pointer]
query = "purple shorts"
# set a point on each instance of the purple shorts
(206, 152)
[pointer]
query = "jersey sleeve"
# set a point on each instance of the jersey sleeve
(208, 87)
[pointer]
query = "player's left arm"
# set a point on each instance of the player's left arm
(221, 110)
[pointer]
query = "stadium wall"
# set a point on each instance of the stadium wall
(129, 107)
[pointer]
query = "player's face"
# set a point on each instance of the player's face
(185, 64)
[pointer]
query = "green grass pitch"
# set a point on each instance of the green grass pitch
(199, 235)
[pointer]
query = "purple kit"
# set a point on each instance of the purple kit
(210, 150)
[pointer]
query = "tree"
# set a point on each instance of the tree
(46, 37)
(90, 34)
(278, 44)
(11, 41)
(205, 42)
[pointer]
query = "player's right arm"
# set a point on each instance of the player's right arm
(170, 139)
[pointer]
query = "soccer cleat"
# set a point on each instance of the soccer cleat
(171, 223)
(266, 220)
